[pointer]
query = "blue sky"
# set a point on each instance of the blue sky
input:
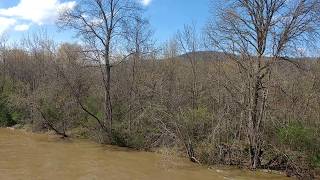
(168, 16)
(19, 17)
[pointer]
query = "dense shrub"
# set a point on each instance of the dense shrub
(7, 116)
(298, 137)
(10, 114)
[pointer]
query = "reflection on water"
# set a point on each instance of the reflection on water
(41, 157)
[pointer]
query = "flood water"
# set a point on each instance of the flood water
(25, 156)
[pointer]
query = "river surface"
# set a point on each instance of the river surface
(25, 156)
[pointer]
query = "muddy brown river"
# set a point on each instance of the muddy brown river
(25, 156)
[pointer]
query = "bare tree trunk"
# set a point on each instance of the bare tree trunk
(51, 126)
(131, 91)
(107, 100)
(254, 140)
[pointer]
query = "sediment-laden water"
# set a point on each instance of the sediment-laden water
(25, 156)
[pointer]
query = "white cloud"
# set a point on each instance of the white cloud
(34, 11)
(6, 23)
(145, 2)
(22, 27)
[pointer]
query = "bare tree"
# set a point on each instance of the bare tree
(189, 43)
(256, 34)
(100, 24)
(2, 60)
(138, 36)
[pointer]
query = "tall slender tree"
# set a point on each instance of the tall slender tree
(256, 34)
(100, 23)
